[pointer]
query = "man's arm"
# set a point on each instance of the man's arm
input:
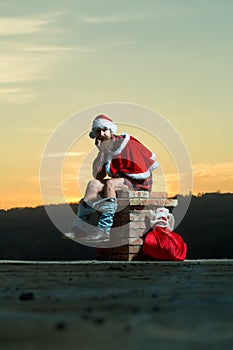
(99, 172)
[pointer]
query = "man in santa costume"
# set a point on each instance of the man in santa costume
(122, 163)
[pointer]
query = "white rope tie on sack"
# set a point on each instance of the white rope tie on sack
(162, 217)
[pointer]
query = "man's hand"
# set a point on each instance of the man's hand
(97, 143)
(103, 145)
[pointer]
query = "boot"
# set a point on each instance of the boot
(107, 207)
(86, 221)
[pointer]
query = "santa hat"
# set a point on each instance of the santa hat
(101, 122)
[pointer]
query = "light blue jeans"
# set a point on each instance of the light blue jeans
(99, 214)
(107, 208)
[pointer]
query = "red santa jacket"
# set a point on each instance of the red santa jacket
(129, 158)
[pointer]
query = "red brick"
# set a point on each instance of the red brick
(120, 257)
(137, 224)
(134, 201)
(118, 242)
(142, 194)
(135, 241)
(170, 202)
(133, 256)
(121, 249)
(133, 220)
(103, 255)
(158, 195)
(139, 215)
(153, 202)
(134, 194)
(136, 233)
(135, 216)
(134, 248)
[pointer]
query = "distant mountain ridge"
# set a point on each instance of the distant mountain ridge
(28, 233)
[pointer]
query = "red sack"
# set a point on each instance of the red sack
(163, 244)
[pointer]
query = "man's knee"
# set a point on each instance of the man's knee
(110, 185)
(95, 185)
(118, 184)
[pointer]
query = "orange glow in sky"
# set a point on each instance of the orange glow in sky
(58, 58)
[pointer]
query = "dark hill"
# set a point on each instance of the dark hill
(28, 234)
(207, 227)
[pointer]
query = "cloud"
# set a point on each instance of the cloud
(16, 95)
(115, 19)
(207, 177)
(18, 67)
(173, 12)
(20, 59)
(6, 91)
(23, 25)
(56, 49)
(209, 169)
(63, 154)
(35, 131)
(210, 177)
(33, 63)
(44, 49)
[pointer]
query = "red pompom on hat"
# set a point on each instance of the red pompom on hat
(101, 122)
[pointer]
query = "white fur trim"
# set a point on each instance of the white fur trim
(107, 165)
(122, 145)
(116, 152)
(147, 173)
(155, 164)
(139, 176)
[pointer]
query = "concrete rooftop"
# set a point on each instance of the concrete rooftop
(116, 305)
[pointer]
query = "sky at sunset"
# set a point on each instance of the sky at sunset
(61, 57)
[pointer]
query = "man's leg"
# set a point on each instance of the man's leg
(87, 216)
(88, 207)
(107, 207)
(94, 187)
(113, 185)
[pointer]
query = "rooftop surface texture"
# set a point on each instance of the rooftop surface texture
(113, 305)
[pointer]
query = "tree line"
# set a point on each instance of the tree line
(28, 233)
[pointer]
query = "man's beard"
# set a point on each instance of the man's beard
(106, 143)
(105, 138)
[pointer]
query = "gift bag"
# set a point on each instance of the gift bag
(161, 242)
